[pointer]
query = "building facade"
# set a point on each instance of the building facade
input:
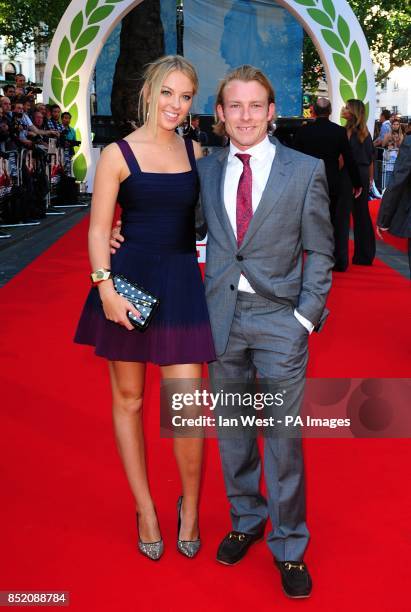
(23, 62)
(395, 92)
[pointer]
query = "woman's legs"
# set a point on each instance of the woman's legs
(364, 237)
(189, 455)
(127, 383)
(340, 218)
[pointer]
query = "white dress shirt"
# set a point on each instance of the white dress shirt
(262, 157)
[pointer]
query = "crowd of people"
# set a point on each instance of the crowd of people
(349, 155)
(353, 161)
(389, 136)
(25, 123)
(32, 134)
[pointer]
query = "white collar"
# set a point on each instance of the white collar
(258, 151)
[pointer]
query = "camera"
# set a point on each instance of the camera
(16, 124)
(33, 90)
(36, 138)
(63, 142)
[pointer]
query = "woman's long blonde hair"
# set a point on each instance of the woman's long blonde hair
(357, 123)
(154, 77)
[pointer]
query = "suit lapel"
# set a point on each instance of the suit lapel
(220, 170)
(278, 180)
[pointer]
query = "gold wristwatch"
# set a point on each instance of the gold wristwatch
(99, 275)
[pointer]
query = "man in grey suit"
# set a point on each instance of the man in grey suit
(265, 206)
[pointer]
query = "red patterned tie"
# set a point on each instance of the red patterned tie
(244, 198)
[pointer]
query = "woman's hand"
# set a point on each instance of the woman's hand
(116, 238)
(116, 307)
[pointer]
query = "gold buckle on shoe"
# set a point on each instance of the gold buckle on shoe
(236, 536)
(299, 566)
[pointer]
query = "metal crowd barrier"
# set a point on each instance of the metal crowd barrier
(16, 169)
(11, 178)
(384, 167)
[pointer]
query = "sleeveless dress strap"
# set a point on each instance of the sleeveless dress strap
(129, 156)
(190, 153)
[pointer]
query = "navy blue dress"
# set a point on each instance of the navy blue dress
(159, 253)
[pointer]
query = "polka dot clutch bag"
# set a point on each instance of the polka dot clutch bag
(142, 300)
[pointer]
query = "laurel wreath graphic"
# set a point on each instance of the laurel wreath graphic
(72, 53)
(346, 52)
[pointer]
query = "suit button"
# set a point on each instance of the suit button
(239, 257)
(232, 287)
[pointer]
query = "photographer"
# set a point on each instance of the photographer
(6, 143)
(68, 141)
(28, 105)
(40, 107)
(38, 122)
(9, 91)
(6, 106)
(54, 122)
(23, 128)
(68, 131)
(21, 83)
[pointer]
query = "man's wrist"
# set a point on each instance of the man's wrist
(304, 322)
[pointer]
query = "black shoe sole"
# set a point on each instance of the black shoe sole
(296, 596)
(239, 561)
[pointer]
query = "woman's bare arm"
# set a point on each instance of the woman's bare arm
(110, 171)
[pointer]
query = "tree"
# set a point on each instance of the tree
(141, 42)
(387, 28)
(27, 22)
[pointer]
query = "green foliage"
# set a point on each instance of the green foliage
(64, 52)
(387, 28)
(320, 17)
(99, 14)
(71, 90)
(87, 36)
(386, 25)
(71, 58)
(80, 167)
(343, 30)
(76, 26)
(24, 22)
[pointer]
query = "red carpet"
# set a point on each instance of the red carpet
(67, 518)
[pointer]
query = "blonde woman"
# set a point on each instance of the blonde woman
(391, 144)
(394, 139)
(363, 152)
(152, 173)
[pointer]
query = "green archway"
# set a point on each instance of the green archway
(85, 27)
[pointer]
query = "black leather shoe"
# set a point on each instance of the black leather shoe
(295, 578)
(338, 268)
(235, 545)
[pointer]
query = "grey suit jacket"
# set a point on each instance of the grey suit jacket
(395, 209)
(292, 217)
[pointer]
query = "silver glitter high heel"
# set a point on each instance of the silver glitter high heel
(188, 548)
(152, 550)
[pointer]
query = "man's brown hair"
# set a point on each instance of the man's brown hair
(245, 73)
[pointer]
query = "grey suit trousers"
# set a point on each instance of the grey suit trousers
(267, 342)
